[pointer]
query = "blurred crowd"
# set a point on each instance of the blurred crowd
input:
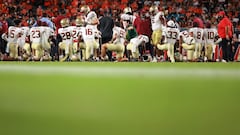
(182, 10)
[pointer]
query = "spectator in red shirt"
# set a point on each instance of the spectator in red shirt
(225, 31)
(198, 20)
(59, 18)
(142, 23)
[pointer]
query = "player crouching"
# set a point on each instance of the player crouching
(79, 46)
(116, 44)
(65, 47)
(133, 46)
(187, 42)
(12, 36)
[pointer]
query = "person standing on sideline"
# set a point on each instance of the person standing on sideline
(143, 26)
(225, 31)
(106, 28)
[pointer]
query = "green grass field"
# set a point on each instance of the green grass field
(52, 98)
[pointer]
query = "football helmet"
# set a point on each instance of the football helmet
(79, 22)
(145, 39)
(127, 10)
(85, 9)
(153, 9)
(171, 24)
(64, 22)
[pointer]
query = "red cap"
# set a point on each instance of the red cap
(221, 13)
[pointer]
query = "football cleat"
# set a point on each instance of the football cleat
(145, 39)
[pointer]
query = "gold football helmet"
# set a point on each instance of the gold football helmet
(153, 9)
(79, 22)
(64, 22)
(127, 10)
(85, 9)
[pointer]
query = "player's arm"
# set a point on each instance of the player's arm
(115, 36)
(192, 41)
(5, 36)
(217, 39)
(162, 19)
(98, 34)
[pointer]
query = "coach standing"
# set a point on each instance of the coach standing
(225, 31)
(143, 26)
(106, 28)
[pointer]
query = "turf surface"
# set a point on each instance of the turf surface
(119, 98)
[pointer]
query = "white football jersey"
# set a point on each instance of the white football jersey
(91, 16)
(121, 34)
(209, 35)
(127, 17)
(48, 31)
(90, 33)
(197, 34)
(77, 31)
(186, 37)
(171, 34)
(155, 21)
(13, 34)
(36, 34)
(25, 33)
(139, 39)
(45, 36)
(184, 34)
(66, 34)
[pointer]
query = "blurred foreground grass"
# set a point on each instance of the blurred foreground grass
(33, 104)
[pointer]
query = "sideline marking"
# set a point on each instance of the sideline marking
(158, 72)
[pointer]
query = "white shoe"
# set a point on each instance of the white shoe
(224, 61)
(205, 59)
(154, 59)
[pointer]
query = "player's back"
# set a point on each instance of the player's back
(48, 30)
(209, 35)
(121, 34)
(139, 39)
(197, 34)
(77, 31)
(36, 34)
(13, 34)
(90, 33)
(66, 34)
(171, 35)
